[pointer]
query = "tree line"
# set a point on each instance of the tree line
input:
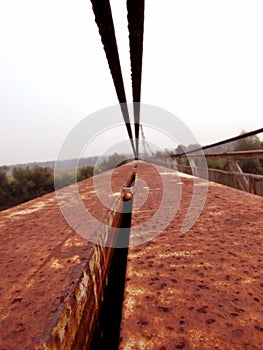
(27, 183)
(24, 184)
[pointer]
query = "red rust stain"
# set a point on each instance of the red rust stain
(42, 263)
(202, 289)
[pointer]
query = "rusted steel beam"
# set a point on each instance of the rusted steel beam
(230, 178)
(136, 28)
(242, 181)
(52, 279)
(103, 18)
(201, 289)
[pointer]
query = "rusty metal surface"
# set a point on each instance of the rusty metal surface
(200, 290)
(51, 278)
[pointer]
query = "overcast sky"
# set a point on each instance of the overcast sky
(202, 61)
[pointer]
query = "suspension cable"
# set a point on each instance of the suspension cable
(236, 138)
(144, 141)
(135, 10)
(103, 18)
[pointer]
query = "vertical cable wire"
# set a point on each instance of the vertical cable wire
(135, 10)
(103, 18)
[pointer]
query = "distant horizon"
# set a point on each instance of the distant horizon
(54, 159)
(105, 155)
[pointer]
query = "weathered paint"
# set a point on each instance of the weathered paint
(198, 290)
(52, 280)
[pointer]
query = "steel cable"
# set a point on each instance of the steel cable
(135, 10)
(103, 18)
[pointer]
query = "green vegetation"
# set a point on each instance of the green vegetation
(4, 187)
(64, 179)
(85, 172)
(111, 162)
(24, 183)
(253, 166)
(216, 163)
(27, 183)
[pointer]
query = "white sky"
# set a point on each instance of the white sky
(202, 61)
